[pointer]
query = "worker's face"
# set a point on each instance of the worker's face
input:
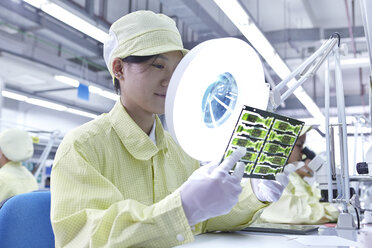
(144, 86)
(296, 154)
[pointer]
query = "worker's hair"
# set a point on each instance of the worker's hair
(133, 60)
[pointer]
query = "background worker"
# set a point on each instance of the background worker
(121, 180)
(15, 146)
(299, 202)
(297, 155)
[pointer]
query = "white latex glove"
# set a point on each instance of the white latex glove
(283, 177)
(271, 190)
(211, 191)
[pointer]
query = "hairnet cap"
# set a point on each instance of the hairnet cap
(16, 145)
(305, 129)
(141, 33)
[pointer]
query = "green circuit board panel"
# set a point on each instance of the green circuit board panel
(269, 139)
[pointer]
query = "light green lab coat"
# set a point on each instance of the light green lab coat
(113, 187)
(15, 179)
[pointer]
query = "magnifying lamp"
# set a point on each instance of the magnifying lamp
(207, 92)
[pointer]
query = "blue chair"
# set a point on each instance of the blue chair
(25, 221)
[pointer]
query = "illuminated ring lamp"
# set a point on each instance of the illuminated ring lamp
(207, 92)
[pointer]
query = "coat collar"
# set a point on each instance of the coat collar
(10, 165)
(135, 140)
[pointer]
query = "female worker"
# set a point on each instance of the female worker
(120, 180)
(15, 147)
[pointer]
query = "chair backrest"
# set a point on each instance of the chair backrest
(25, 221)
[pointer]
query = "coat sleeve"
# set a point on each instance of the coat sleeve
(87, 210)
(5, 190)
(241, 214)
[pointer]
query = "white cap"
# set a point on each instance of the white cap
(141, 33)
(16, 145)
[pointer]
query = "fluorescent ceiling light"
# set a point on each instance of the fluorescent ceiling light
(69, 18)
(45, 104)
(67, 80)
(82, 113)
(104, 93)
(94, 89)
(14, 96)
(245, 24)
(109, 95)
(36, 3)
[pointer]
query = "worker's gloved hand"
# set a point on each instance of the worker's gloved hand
(283, 177)
(211, 191)
(271, 190)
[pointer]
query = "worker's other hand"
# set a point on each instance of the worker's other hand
(283, 177)
(305, 171)
(271, 190)
(211, 191)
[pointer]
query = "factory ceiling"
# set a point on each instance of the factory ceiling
(34, 46)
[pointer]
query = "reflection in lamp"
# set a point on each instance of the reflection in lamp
(219, 100)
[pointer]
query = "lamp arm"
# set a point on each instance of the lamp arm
(306, 70)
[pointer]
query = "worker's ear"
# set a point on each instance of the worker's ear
(117, 69)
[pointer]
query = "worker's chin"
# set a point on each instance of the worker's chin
(159, 111)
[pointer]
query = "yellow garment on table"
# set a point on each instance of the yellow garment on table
(299, 204)
(113, 187)
(15, 179)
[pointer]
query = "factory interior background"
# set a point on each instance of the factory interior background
(53, 77)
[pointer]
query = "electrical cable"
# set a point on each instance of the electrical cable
(338, 37)
(357, 215)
